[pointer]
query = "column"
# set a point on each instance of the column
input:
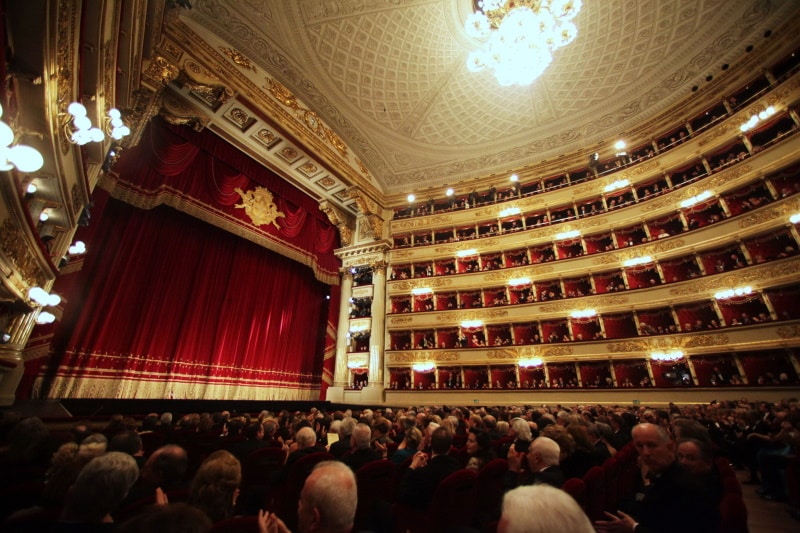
(341, 376)
(376, 339)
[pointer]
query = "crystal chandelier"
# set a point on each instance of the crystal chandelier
(519, 36)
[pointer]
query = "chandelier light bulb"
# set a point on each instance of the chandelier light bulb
(6, 134)
(518, 36)
(53, 300)
(26, 158)
(77, 109)
(411, 198)
(114, 114)
(38, 295)
(45, 318)
(31, 188)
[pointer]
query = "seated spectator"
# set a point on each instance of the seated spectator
(98, 490)
(128, 442)
(94, 445)
(479, 449)
(669, 499)
(424, 474)
(362, 451)
(215, 487)
(164, 469)
(327, 503)
(343, 445)
(408, 447)
(254, 440)
(697, 458)
(541, 509)
(543, 461)
(305, 443)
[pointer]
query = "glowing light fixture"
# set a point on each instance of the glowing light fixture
(510, 211)
(515, 282)
(85, 133)
(637, 261)
(77, 248)
(411, 198)
(449, 192)
(24, 158)
(466, 253)
(423, 367)
(672, 355)
(583, 313)
(755, 119)
(730, 293)
(794, 219)
(356, 364)
(568, 235)
(514, 178)
(421, 291)
(689, 202)
(529, 363)
(518, 36)
(616, 185)
(472, 323)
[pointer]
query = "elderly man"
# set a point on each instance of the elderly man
(541, 509)
(363, 452)
(669, 498)
(98, 491)
(543, 462)
(327, 503)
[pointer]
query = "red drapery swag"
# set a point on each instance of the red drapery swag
(172, 307)
(199, 174)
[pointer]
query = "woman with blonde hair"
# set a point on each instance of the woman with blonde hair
(215, 487)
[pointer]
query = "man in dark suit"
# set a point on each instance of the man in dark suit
(424, 475)
(254, 440)
(669, 499)
(543, 460)
(362, 452)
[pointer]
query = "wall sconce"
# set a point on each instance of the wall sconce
(85, 133)
(24, 158)
(77, 248)
(5, 337)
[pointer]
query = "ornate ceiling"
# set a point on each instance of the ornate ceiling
(389, 76)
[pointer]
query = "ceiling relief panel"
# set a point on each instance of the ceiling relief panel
(390, 77)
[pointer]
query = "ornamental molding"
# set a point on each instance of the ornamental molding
(423, 356)
(432, 283)
(788, 332)
(479, 314)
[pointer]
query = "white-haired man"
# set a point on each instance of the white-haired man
(327, 503)
(543, 462)
(541, 509)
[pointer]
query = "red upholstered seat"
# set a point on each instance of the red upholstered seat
(376, 482)
(452, 506)
(576, 488)
(733, 514)
(490, 487)
(595, 481)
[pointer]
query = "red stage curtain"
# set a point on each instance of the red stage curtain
(169, 300)
(197, 173)
(331, 330)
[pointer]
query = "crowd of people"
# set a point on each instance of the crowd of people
(95, 476)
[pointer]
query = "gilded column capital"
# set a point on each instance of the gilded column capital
(346, 274)
(379, 267)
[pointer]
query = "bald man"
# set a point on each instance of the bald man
(327, 503)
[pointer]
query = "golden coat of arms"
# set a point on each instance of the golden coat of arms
(259, 206)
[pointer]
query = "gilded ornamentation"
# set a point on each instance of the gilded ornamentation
(762, 216)
(788, 332)
(376, 225)
(239, 117)
(422, 356)
(433, 283)
(366, 205)
(161, 71)
(309, 169)
(557, 351)
(364, 229)
(306, 116)
(590, 301)
(378, 267)
(171, 49)
(715, 133)
(15, 247)
(266, 137)
(238, 58)
(77, 198)
(695, 341)
(364, 170)
(259, 206)
(65, 63)
(400, 320)
(477, 314)
(289, 154)
(176, 110)
(627, 346)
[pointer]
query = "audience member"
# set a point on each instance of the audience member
(669, 499)
(424, 474)
(98, 490)
(215, 487)
(542, 509)
(327, 503)
(362, 451)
